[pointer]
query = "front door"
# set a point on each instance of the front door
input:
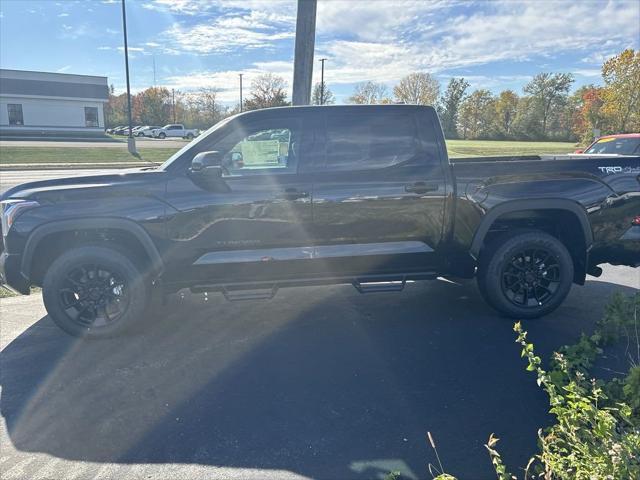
(256, 227)
(379, 195)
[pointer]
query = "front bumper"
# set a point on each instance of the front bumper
(10, 275)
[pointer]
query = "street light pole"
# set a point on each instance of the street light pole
(240, 91)
(131, 142)
(303, 54)
(322, 60)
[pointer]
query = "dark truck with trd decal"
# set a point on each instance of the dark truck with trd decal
(314, 195)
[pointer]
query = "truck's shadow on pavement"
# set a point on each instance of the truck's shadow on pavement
(320, 381)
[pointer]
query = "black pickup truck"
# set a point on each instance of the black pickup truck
(315, 195)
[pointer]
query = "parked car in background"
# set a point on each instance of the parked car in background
(113, 130)
(175, 130)
(119, 130)
(146, 131)
(620, 144)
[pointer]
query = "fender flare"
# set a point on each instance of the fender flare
(533, 204)
(39, 233)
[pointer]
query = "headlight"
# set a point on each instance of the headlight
(10, 209)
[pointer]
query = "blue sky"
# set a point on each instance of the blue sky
(206, 43)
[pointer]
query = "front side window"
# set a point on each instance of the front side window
(91, 117)
(263, 149)
(15, 114)
(359, 142)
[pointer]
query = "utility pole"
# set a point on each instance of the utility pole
(303, 56)
(322, 60)
(131, 142)
(173, 102)
(240, 91)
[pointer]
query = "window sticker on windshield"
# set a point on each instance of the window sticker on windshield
(605, 140)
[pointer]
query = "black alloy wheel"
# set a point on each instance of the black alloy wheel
(531, 278)
(525, 274)
(94, 295)
(95, 291)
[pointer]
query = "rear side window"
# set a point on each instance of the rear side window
(361, 142)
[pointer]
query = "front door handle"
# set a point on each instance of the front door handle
(421, 187)
(293, 194)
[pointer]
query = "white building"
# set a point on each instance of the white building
(51, 104)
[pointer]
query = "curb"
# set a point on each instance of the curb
(70, 166)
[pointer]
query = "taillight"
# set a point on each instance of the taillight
(636, 221)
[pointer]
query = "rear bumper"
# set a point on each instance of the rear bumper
(10, 275)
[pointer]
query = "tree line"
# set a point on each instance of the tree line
(546, 109)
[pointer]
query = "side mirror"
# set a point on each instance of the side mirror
(207, 163)
(206, 171)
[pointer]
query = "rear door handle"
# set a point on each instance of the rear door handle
(293, 194)
(421, 187)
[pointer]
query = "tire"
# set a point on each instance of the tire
(95, 291)
(162, 135)
(525, 275)
(189, 136)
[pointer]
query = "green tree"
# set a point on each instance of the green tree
(549, 92)
(621, 93)
(506, 107)
(115, 110)
(450, 104)
(369, 93)
(476, 114)
(153, 106)
(329, 98)
(267, 90)
(418, 88)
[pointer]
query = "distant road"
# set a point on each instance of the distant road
(11, 179)
(140, 142)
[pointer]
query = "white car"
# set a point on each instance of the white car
(146, 131)
(175, 130)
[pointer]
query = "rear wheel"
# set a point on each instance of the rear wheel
(94, 292)
(162, 135)
(526, 274)
(189, 136)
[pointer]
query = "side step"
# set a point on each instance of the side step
(266, 290)
(378, 286)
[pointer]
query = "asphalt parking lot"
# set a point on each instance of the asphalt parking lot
(317, 383)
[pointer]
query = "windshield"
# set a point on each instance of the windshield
(619, 146)
(194, 144)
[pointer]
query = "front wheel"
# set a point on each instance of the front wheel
(94, 291)
(525, 275)
(189, 136)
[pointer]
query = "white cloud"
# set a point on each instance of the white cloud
(105, 47)
(63, 14)
(588, 72)
(383, 41)
(217, 38)
(63, 69)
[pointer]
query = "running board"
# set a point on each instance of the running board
(267, 290)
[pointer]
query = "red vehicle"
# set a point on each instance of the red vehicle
(620, 144)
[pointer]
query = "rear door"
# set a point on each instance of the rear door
(379, 192)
